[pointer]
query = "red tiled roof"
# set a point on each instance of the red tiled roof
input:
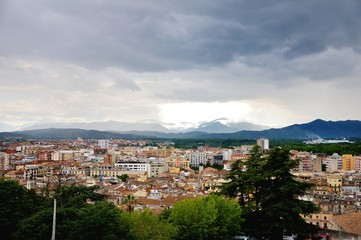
(351, 222)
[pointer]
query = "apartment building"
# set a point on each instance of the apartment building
(333, 163)
(263, 143)
(152, 169)
(198, 157)
(4, 161)
(348, 162)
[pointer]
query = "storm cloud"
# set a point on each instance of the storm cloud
(91, 60)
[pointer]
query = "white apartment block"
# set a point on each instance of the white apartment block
(263, 143)
(103, 143)
(197, 157)
(152, 169)
(227, 154)
(333, 163)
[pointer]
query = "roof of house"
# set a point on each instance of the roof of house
(351, 222)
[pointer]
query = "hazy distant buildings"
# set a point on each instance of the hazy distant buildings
(263, 143)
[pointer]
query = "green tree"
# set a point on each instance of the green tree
(16, 203)
(39, 225)
(268, 193)
(76, 195)
(123, 177)
(99, 220)
(129, 201)
(212, 217)
(147, 226)
(102, 220)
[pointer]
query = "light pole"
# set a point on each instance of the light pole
(54, 221)
(339, 221)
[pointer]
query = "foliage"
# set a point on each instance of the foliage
(269, 194)
(129, 201)
(102, 220)
(212, 217)
(123, 177)
(216, 166)
(221, 143)
(147, 226)
(328, 148)
(16, 203)
(25, 215)
(76, 196)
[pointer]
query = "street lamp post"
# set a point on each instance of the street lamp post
(54, 221)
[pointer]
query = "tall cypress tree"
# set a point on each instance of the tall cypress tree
(269, 193)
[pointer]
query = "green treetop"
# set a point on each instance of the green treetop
(269, 194)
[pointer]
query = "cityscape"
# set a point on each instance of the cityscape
(158, 175)
(185, 120)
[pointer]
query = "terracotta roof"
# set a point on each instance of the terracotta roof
(351, 222)
(209, 170)
(147, 201)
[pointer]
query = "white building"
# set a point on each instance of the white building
(198, 157)
(333, 163)
(152, 169)
(103, 143)
(263, 143)
(227, 154)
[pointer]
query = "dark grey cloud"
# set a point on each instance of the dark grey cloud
(135, 60)
(164, 35)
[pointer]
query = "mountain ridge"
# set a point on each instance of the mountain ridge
(315, 129)
(215, 126)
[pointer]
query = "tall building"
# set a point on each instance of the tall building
(358, 163)
(104, 144)
(348, 162)
(333, 163)
(263, 143)
(4, 161)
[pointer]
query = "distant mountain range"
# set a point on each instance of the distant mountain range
(315, 129)
(218, 127)
(104, 126)
(209, 127)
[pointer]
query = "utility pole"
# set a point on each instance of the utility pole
(54, 221)
(339, 221)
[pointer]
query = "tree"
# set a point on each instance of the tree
(77, 219)
(129, 201)
(123, 177)
(102, 220)
(147, 226)
(76, 196)
(268, 193)
(17, 203)
(212, 217)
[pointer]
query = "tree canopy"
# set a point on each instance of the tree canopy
(269, 194)
(212, 217)
(16, 203)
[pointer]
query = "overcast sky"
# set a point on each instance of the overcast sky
(273, 63)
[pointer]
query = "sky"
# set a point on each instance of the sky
(179, 63)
